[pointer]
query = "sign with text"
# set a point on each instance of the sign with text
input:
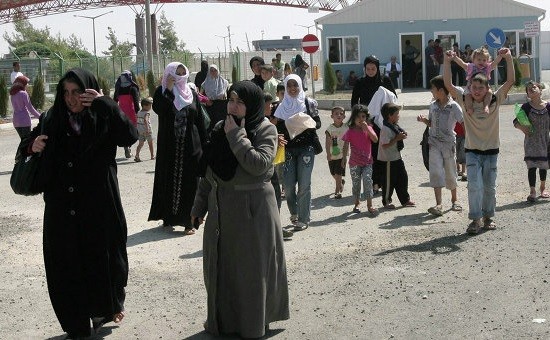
(532, 29)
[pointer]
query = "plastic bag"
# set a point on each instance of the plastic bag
(280, 155)
(522, 117)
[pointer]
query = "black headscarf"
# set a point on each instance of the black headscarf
(257, 77)
(298, 61)
(219, 155)
(372, 83)
(201, 75)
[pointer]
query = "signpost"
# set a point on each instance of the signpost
(310, 44)
(495, 38)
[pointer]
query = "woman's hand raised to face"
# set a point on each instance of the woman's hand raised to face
(170, 81)
(230, 123)
(89, 95)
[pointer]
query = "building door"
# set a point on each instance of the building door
(411, 47)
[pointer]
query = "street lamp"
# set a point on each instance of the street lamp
(304, 26)
(224, 45)
(93, 25)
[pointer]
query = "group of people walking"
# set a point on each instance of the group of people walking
(214, 165)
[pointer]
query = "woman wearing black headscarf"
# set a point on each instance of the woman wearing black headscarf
(200, 77)
(127, 97)
(256, 66)
(84, 225)
(243, 260)
(362, 93)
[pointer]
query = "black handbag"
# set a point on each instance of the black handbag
(26, 178)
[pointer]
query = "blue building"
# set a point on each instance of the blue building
(382, 27)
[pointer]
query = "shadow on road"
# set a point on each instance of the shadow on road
(442, 245)
(204, 335)
(411, 220)
(154, 234)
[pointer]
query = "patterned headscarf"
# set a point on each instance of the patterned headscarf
(183, 95)
(19, 84)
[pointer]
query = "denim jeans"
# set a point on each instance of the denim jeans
(297, 169)
(482, 175)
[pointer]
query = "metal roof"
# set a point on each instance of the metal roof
(368, 11)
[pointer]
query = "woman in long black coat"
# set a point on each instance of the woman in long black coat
(84, 225)
(181, 137)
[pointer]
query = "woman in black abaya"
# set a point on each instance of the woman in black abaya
(181, 137)
(84, 225)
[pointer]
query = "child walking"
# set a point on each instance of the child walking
(334, 146)
(537, 140)
(389, 152)
(481, 64)
(359, 139)
(444, 113)
(144, 127)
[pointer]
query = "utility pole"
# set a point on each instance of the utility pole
(149, 34)
(229, 36)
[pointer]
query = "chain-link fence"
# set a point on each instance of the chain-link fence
(110, 67)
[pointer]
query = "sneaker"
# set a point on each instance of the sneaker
(287, 233)
(474, 227)
(294, 219)
(127, 152)
(299, 226)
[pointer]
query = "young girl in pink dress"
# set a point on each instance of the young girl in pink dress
(359, 138)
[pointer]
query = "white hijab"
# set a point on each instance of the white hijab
(215, 87)
(183, 95)
(289, 106)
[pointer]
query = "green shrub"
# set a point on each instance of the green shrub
(329, 79)
(3, 97)
(38, 96)
(151, 84)
(104, 85)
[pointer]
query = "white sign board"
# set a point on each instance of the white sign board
(532, 29)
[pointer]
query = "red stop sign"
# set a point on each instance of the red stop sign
(310, 43)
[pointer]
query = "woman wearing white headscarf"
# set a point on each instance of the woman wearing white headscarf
(298, 114)
(215, 88)
(181, 137)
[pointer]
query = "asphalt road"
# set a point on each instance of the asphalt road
(403, 274)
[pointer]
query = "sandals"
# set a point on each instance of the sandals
(473, 228)
(531, 199)
(544, 194)
(372, 211)
(137, 159)
(409, 204)
(337, 196)
(389, 206)
(436, 211)
(189, 231)
(456, 207)
(489, 224)
(356, 210)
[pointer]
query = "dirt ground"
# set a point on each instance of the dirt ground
(403, 274)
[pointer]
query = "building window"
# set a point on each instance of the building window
(518, 43)
(447, 39)
(343, 50)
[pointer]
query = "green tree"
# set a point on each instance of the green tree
(3, 97)
(151, 84)
(329, 81)
(169, 40)
(118, 48)
(38, 97)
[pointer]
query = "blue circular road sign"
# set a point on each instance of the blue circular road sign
(495, 38)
